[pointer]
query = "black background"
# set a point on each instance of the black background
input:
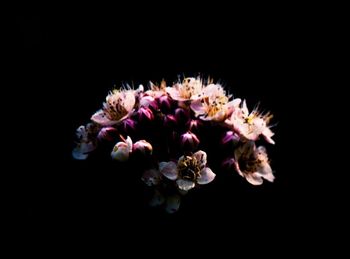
(66, 65)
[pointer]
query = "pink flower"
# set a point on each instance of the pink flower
(189, 89)
(214, 104)
(189, 171)
(251, 125)
(118, 106)
(252, 163)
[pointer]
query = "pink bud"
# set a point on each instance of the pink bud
(145, 114)
(148, 102)
(108, 134)
(164, 103)
(230, 138)
(182, 115)
(169, 121)
(194, 125)
(127, 127)
(143, 147)
(189, 141)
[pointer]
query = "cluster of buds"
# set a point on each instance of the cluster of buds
(171, 127)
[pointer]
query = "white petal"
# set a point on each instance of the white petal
(77, 154)
(267, 134)
(185, 185)
(100, 117)
(87, 147)
(265, 171)
(244, 108)
(128, 141)
(120, 153)
(201, 156)
(172, 203)
(206, 176)
(174, 93)
(253, 178)
(168, 169)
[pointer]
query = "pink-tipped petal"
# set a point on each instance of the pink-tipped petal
(101, 118)
(206, 176)
(169, 170)
(185, 185)
(253, 178)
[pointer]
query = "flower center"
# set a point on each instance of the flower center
(217, 105)
(189, 168)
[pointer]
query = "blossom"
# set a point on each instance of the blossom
(86, 141)
(189, 141)
(122, 150)
(189, 89)
(189, 170)
(214, 104)
(251, 125)
(118, 106)
(252, 163)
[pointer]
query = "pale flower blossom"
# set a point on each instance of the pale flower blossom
(214, 104)
(118, 106)
(188, 90)
(122, 150)
(189, 171)
(252, 163)
(251, 125)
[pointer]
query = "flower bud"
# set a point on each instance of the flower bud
(143, 147)
(107, 133)
(144, 115)
(230, 138)
(122, 150)
(189, 141)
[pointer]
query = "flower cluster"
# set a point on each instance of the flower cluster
(172, 128)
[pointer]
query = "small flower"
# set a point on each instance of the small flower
(86, 141)
(251, 125)
(189, 171)
(214, 104)
(189, 89)
(118, 106)
(189, 141)
(252, 163)
(122, 150)
(143, 147)
(151, 177)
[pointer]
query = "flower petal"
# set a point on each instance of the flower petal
(172, 203)
(78, 155)
(206, 176)
(100, 117)
(265, 171)
(185, 185)
(253, 178)
(168, 169)
(198, 107)
(201, 156)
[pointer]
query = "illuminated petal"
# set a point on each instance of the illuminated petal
(198, 107)
(253, 178)
(168, 169)
(201, 156)
(206, 176)
(100, 117)
(185, 185)
(78, 155)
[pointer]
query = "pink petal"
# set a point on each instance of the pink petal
(185, 185)
(206, 176)
(100, 117)
(253, 178)
(201, 156)
(168, 169)
(265, 171)
(198, 107)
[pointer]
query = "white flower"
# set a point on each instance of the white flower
(189, 171)
(251, 125)
(122, 150)
(189, 89)
(214, 104)
(119, 104)
(86, 141)
(252, 163)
